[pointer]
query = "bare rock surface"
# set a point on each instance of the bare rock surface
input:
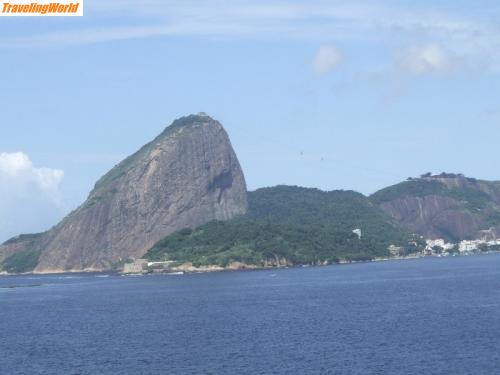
(449, 206)
(187, 176)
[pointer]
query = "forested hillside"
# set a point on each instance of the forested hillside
(290, 225)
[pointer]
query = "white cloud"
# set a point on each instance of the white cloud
(430, 58)
(30, 197)
(327, 58)
(466, 31)
(318, 19)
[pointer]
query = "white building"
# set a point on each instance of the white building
(438, 242)
(467, 245)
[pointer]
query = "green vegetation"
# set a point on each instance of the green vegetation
(462, 208)
(303, 226)
(22, 261)
(469, 194)
(492, 218)
(412, 188)
(23, 238)
(25, 260)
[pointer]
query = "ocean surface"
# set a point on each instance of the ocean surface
(425, 316)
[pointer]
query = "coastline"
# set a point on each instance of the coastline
(188, 268)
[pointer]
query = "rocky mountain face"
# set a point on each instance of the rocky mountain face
(447, 206)
(187, 176)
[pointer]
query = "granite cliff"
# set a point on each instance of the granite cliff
(449, 206)
(183, 197)
(188, 176)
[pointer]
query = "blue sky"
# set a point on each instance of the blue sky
(331, 94)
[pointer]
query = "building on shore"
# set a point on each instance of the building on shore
(465, 246)
(438, 246)
(137, 266)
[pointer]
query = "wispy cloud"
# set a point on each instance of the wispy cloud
(430, 58)
(471, 35)
(327, 58)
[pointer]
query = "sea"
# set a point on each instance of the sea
(422, 316)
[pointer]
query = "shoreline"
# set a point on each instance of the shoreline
(235, 266)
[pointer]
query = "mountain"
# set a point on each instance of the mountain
(449, 206)
(189, 175)
(287, 225)
(182, 197)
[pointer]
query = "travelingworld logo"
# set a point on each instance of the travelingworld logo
(42, 8)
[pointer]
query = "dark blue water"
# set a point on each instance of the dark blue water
(430, 316)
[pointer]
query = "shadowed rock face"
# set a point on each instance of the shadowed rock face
(434, 217)
(189, 175)
(452, 207)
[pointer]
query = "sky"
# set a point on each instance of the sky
(329, 94)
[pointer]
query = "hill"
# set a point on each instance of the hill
(288, 225)
(449, 206)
